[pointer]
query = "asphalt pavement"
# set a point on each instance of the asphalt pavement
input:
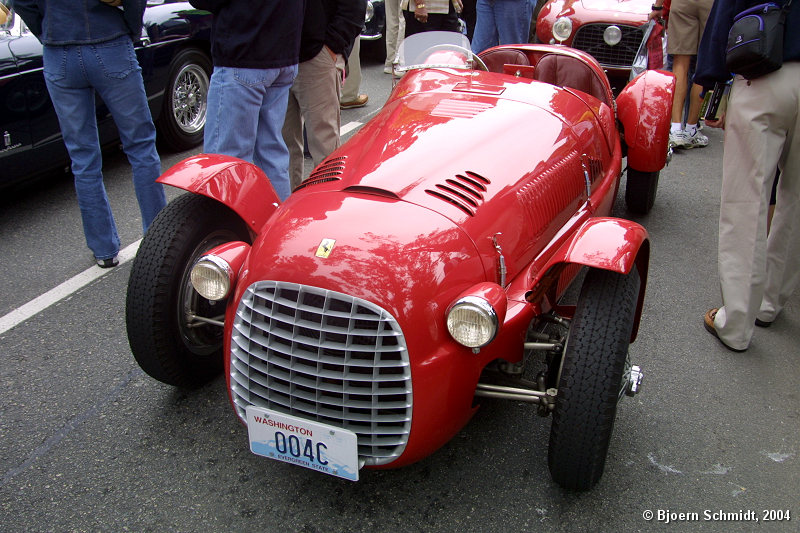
(90, 443)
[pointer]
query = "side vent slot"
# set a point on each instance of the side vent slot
(329, 170)
(464, 191)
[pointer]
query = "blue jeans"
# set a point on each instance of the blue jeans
(501, 22)
(246, 110)
(72, 74)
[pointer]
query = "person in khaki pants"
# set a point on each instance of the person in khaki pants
(758, 273)
(330, 27)
(351, 98)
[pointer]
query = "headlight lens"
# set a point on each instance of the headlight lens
(562, 29)
(472, 321)
(211, 277)
(612, 35)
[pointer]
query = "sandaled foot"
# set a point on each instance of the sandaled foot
(708, 323)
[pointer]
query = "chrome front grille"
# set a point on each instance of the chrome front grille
(589, 38)
(324, 356)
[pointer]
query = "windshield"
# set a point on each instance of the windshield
(434, 49)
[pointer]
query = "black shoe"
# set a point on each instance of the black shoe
(763, 323)
(107, 263)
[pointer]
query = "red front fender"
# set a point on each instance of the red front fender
(644, 108)
(240, 185)
(611, 244)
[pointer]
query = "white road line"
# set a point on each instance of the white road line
(69, 287)
(72, 285)
(350, 126)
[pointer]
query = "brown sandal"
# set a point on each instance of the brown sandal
(708, 323)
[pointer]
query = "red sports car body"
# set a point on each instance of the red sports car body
(420, 268)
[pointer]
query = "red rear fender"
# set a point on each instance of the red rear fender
(238, 184)
(644, 107)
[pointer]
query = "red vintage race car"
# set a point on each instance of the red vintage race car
(421, 268)
(612, 31)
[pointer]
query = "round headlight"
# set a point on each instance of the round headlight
(472, 321)
(562, 29)
(211, 277)
(612, 35)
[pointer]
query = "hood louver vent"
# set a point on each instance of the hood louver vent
(330, 170)
(465, 191)
(452, 108)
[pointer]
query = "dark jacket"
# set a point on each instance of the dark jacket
(63, 22)
(711, 53)
(332, 23)
(247, 34)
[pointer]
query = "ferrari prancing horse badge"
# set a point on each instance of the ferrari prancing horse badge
(325, 248)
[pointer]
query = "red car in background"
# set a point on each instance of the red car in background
(611, 31)
(421, 269)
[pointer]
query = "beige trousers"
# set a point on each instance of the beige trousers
(313, 104)
(395, 29)
(758, 274)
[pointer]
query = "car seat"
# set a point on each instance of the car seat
(568, 71)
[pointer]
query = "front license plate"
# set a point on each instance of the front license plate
(321, 447)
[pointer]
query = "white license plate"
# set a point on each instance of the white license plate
(321, 447)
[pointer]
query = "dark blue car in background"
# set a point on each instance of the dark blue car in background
(174, 53)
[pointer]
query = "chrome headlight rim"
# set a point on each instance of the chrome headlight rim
(562, 29)
(484, 309)
(201, 281)
(612, 35)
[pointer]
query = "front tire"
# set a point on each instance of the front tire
(591, 381)
(640, 191)
(166, 342)
(185, 107)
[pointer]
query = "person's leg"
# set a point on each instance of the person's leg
(485, 35)
(293, 135)
(513, 20)
(751, 151)
(234, 98)
(117, 78)
(352, 83)
(317, 89)
(271, 154)
(73, 100)
(680, 68)
(783, 245)
(393, 17)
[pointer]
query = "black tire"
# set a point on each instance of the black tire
(591, 378)
(160, 293)
(640, 191)
(183, 112)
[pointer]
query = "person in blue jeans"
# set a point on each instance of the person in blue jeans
(256, 50)
(88, 47)
(501, 22)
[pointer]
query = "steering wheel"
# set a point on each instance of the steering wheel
(477, 61)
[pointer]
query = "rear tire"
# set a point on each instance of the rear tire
(591, 380)
(160, 296)
(640, 191)
(183, 113)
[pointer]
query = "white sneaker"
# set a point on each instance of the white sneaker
(698, 140)
(387, 70)
(678, 139)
